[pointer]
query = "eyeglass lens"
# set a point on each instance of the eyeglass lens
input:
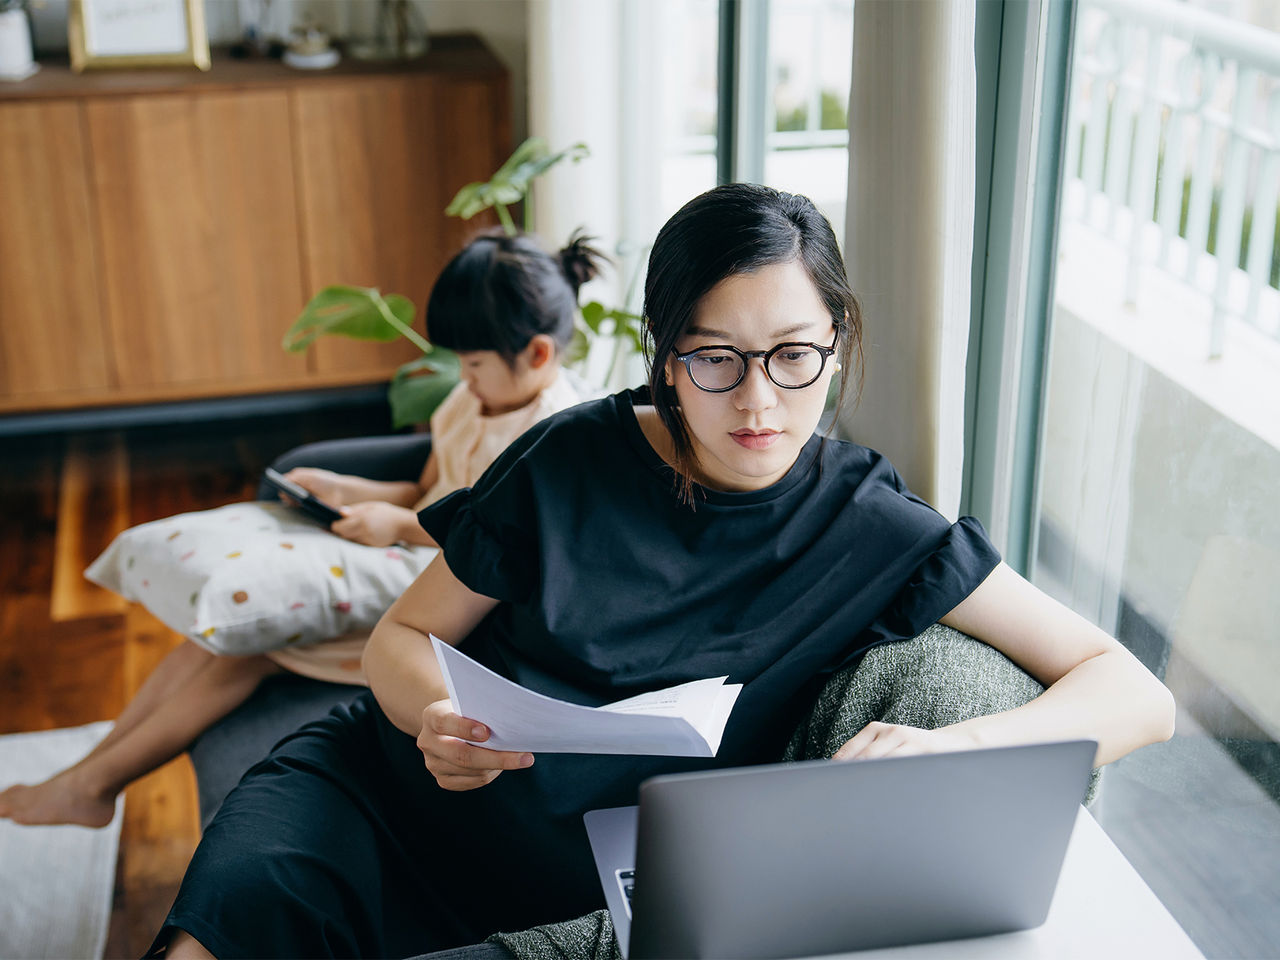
(792, 366)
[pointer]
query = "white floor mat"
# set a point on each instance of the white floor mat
(56, 883)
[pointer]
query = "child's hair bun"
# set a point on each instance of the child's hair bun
(580, 261)
(499, 292)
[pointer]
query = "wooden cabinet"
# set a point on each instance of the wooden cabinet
(53, 336)
(197, 225)
(163, 230)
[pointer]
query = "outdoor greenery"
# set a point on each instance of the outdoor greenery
(1215, 204)
(834, 115)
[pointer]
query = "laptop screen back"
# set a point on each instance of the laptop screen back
(819, 857)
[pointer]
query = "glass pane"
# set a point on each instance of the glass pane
(810, 65)
(687, 48)
(1160, 456)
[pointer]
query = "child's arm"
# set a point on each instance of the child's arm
(430, 474)
(379, 524)
(340, 489)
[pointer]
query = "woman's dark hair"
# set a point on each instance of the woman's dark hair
(734, 229)
(500, 292)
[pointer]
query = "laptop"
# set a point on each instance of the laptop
(810, 858)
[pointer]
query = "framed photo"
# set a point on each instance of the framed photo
(137, 33)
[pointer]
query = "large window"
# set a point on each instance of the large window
(1155, 509)
(753, 90)
(788, 68)
(796, 60)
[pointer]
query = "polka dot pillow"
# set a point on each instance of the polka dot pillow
(255, 577)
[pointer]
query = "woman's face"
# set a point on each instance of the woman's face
(747, 438)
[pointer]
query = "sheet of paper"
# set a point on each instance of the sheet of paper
(682, 721)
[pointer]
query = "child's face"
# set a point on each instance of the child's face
(747, 438)
(500, 387)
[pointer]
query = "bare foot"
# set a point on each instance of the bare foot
(58, 800)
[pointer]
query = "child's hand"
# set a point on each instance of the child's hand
(458, 765)
(324, 484)
(374, 523)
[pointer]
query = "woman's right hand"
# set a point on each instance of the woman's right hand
(456, 764)
(323, 484)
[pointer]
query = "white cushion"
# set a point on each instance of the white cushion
(253, 577)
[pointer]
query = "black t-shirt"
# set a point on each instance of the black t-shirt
(612, 586)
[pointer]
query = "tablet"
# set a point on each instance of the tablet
(302, 498)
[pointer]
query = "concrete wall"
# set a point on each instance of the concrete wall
(1153, 499)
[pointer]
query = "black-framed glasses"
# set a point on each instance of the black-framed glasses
(792, 366)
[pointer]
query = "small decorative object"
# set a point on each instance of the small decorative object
(310, 50)
(137, 33)
(16, 62)
(400, 34)
(255, 19)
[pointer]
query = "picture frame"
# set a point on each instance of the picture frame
(123, 34)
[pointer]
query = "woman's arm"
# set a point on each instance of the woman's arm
(1095, 688)
(406, 680)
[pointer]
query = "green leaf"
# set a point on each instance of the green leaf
(349, 312)
(592, 315)
(637, 337)
(579, 347)
(530, 150)
(468, 201)
(420, 385)
(510, 182)
(536, 166)
(506, 193)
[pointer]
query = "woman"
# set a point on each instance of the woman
(696, 528)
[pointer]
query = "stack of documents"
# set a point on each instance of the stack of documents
(682, 721)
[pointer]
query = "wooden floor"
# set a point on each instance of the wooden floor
(72, 653)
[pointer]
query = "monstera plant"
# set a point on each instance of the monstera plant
(365, 313)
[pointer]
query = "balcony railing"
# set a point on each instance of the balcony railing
(1174, 146)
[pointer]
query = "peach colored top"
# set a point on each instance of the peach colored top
(465, 443)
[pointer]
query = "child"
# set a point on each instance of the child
(507, 308)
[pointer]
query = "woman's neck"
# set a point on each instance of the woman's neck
(655, 431)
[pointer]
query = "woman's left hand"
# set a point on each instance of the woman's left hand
(878, 739)
(374, 523)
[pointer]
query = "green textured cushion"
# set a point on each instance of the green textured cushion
(941, 676)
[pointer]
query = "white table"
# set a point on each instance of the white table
(1101, 909)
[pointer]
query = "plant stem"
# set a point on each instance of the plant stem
(507, 223)
(405, 331)
(614, 355)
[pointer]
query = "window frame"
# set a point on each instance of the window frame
(1023, 54)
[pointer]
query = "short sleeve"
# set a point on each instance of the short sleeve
(962, 559)
(488, 532)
